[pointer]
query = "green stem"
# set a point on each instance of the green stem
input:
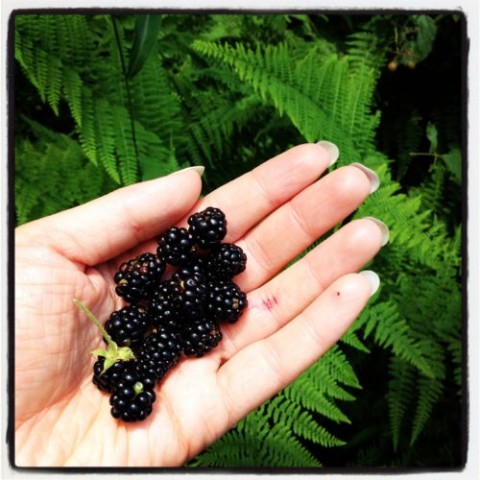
(92, 317)
(127, 85)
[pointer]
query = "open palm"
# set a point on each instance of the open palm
(294, 314)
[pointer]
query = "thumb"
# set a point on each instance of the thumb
(106, 227)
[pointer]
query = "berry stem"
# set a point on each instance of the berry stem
(113, 353)
(94, 319)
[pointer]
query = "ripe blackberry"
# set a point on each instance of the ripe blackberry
(162, 309)
(208, 227)
(226, 261)
(189, 293)
(196, 264)
(136, 278)
(176, 246)
(200, 336)
(107, 380)
(160, 352)
(226, 301)
(128, 326)
(132, 397)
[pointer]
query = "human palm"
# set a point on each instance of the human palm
(294, 314)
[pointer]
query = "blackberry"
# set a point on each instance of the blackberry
(162, 309)
(136, 278)
(226, 301)
(226, 261)
(208, 227)
(189, 293)
(128, 326)
(196, 264)
(160, 352)
(132, 397)
(107, 380)
(200, 336)
(176, 246)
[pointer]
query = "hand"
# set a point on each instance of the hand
(294, 315)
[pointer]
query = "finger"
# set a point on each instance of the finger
(249, 198)
(105, 227)
(265, 367)
(285, 296)
(298, 223)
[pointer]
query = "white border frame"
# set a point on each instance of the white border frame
(469, 7)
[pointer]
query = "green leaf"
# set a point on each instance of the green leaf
(146, 32)
(453, 161)
(426, 33)
(432, 135)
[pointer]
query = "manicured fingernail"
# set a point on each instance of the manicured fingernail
(372, 176)
(383, 227)
(373, 280)
(197, 168)
(332, 149)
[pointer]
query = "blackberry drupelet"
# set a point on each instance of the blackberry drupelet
(200, 336)
(162, 309)
(160, 352)
(128, 326)
(107, 380)
(226, 261)
(136, 278)
(189, 293)
(226, 302)
(132, 397)
(176, 246)
(208, 227)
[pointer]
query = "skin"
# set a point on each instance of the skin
(294, 315)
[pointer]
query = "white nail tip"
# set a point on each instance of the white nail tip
(383, 228)
(332, 149)
(372, 176)
(197, 168)
(373, 279)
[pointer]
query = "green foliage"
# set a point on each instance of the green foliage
(229, 91)
(50, 159)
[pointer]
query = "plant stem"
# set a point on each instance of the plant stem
(94, 319)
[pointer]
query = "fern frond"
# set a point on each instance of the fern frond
(257, 443)
(429, 392)
(401, 384)
(155, 104)
(300, 421)
(105, 138)
(44, 167)
(391, 331)
(73, 87)
(86, 132)
(304, 393)
(351, 338)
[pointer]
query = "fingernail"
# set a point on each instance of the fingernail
(197, 168)
(373, 279)
(372, 176)
(332, 149)
(383, 227)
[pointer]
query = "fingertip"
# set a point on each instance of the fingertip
(373, 280)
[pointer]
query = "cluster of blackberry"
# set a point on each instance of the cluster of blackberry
(177, 299)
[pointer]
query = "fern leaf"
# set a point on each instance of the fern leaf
(304, 393)
(429, 392)
(87, 129)
(390, 330)
(72, 85)
(124, 146)
(54, 86)
(401, 384)
(300, 421)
